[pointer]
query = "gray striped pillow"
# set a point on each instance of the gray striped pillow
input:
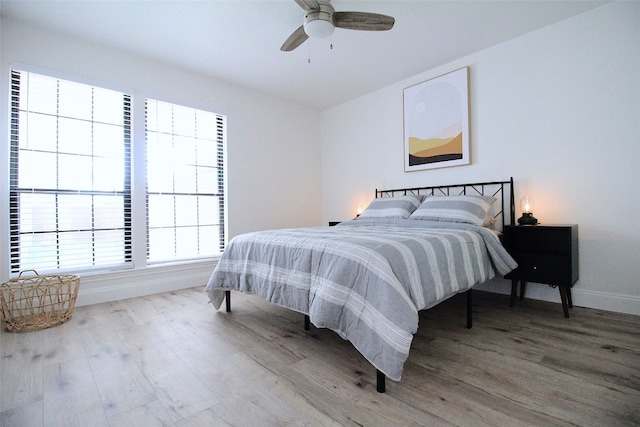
(386, 207)
(470, 209)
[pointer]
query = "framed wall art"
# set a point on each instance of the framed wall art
(436, 122)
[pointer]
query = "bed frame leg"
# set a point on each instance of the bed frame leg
(380, 381)
(306, 322)
(469, 309)
(227, 298)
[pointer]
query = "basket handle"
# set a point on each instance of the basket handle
(24, 271)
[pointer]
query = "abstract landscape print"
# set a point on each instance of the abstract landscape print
(436, 122)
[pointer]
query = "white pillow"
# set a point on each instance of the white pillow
(387, 207)
(471, 209)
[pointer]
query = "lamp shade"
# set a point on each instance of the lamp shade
(318, 23)
(318, 28)
(526, 204)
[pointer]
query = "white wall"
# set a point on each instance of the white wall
(273, 147)
(559, 110)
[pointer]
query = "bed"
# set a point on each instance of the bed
(367, 278)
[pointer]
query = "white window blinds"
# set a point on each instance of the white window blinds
(185, 182)
(70, 175)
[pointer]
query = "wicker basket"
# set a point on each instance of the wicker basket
(38, 302)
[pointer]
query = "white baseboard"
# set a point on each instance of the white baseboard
(120, 285)
(152, 280)
(628, 304)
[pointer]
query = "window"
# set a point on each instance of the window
(70, 175)
(70, 179)
(185, 182)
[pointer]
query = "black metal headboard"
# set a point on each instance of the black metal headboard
(503, 210)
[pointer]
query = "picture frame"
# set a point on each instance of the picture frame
(436, 122)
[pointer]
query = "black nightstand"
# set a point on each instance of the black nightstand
(545, 254)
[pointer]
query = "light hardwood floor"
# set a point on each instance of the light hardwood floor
(172, 360)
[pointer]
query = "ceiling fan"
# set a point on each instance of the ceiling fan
(320, 20)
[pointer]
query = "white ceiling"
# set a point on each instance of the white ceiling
(239, 40)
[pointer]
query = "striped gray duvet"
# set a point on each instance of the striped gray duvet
(365, 279)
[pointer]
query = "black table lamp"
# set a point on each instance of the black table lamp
(527, 217)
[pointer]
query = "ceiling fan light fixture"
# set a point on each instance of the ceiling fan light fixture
(318, 28)
(321, 19)
(319, 23)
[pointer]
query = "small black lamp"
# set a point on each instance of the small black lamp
(527, 217)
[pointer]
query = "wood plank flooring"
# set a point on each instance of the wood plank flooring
(172, 360)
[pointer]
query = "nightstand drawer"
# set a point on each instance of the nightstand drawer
(550, 269)
(540, 239)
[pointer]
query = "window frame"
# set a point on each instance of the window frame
(15, 260)
(220, 152)
(137, 157)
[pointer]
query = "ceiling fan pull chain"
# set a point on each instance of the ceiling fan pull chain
(308, 52)
(331, 43)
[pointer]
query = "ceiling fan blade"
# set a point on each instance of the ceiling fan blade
(363, 21)
(308, 4)
(295, 39)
